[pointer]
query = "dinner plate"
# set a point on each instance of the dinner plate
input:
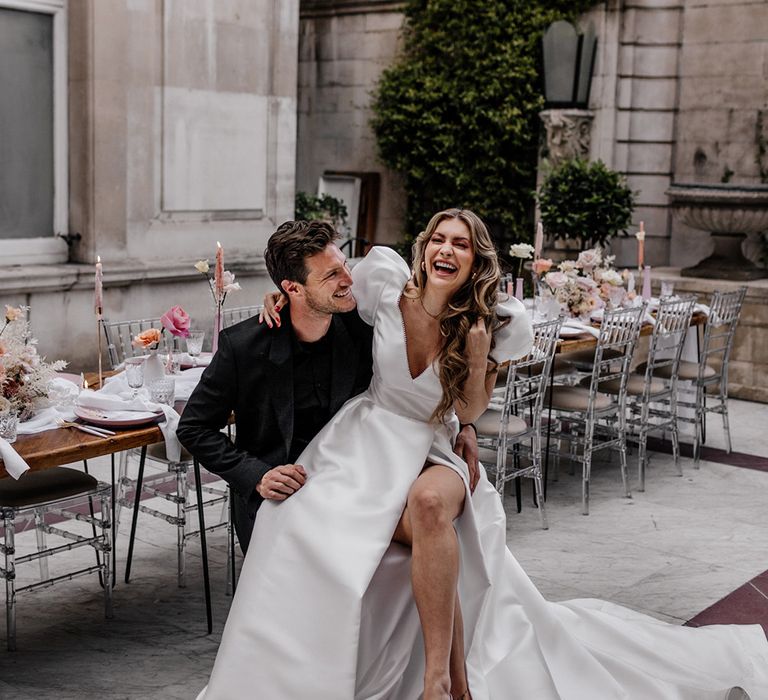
(117, 419)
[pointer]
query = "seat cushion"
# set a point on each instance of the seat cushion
(157, 452)
(688, 371)
(33, 488)
(488, 424)
(635, 385)
(584, 359)
(575, 398)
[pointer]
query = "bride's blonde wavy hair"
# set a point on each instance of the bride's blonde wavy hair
(475, 299)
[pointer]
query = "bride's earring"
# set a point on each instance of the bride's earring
(423, 265)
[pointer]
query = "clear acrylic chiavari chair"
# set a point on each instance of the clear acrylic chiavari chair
(651, 400)
(710, 373)
(592, 419)
(514, 416)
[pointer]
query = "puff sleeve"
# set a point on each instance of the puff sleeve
(382, 268)
(514, 340)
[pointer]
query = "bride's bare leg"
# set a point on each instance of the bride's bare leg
(458, 668)
(434, 502)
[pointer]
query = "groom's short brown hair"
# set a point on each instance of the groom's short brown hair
(293, 242)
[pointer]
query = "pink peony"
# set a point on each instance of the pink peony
(542, 265)
(176, 322)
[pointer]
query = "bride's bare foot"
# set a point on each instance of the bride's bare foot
(437, 688)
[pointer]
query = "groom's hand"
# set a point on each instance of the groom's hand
(282, 481)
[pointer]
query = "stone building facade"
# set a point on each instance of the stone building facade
(181, 132)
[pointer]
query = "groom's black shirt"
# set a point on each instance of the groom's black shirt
(256, 374)
(311, 390)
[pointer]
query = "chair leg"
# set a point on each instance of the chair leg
(10, 581)
(113, 503)
(91, 512)
(674, 433)
(41, 543)
(230, 553)
(726, 426)
(122, 475)
(203, 545)
(623, 463)
(137, 501)
(642, 459)
(181, 523)
(698, 428)
(231, 527)
(108, 545)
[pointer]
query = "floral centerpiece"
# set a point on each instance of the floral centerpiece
(584, 285)
(176, 322)
(25, 376)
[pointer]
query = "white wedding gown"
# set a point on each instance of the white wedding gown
(324, 609)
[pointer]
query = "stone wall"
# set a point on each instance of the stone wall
(182, 133)
(343, 47)
(680, 95)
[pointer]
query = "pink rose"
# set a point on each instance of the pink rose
(228, 280)
(589, 258)
(176, 322)
(542, 265)
(556, 280)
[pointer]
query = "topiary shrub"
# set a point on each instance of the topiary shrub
(457, 114)
(587, 202)
(310, 207)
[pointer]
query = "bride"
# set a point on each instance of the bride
(328, 605)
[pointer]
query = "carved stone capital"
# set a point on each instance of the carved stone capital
(568, 134)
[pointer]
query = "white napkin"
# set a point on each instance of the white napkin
(580, 325)
(117, 396)
(14, 464)
(202, 360)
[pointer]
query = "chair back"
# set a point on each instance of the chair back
(120, 334)
(619, 332)
(528, 378)
(236, 314)
(673, 319)
(724, 314)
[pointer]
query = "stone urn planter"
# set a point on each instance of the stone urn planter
(728, 213)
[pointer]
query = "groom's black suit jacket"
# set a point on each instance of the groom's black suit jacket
(252, 375)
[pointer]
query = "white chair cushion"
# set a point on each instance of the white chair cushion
(575, 398)
(488, 424)
(688, 371)
(635, 385)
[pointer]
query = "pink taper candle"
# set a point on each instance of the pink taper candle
(219, 272)
(640, 235)
(538, 241)
(98, 294)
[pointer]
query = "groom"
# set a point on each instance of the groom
(284, 384)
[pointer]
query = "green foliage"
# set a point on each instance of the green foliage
(457, 114)
(310, 207)
(585, 201)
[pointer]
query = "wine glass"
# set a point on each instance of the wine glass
(134, 374)
(195, 345)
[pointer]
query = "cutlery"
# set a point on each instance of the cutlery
(90, 429)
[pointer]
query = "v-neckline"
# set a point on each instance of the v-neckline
(405, 345)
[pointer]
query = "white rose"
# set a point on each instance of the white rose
(521, 250)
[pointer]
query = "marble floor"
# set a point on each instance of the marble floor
(673, 551)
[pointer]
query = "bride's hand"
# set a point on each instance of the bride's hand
(478, 345)
(273, 302)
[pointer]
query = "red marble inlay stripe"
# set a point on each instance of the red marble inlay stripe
(747, 605)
